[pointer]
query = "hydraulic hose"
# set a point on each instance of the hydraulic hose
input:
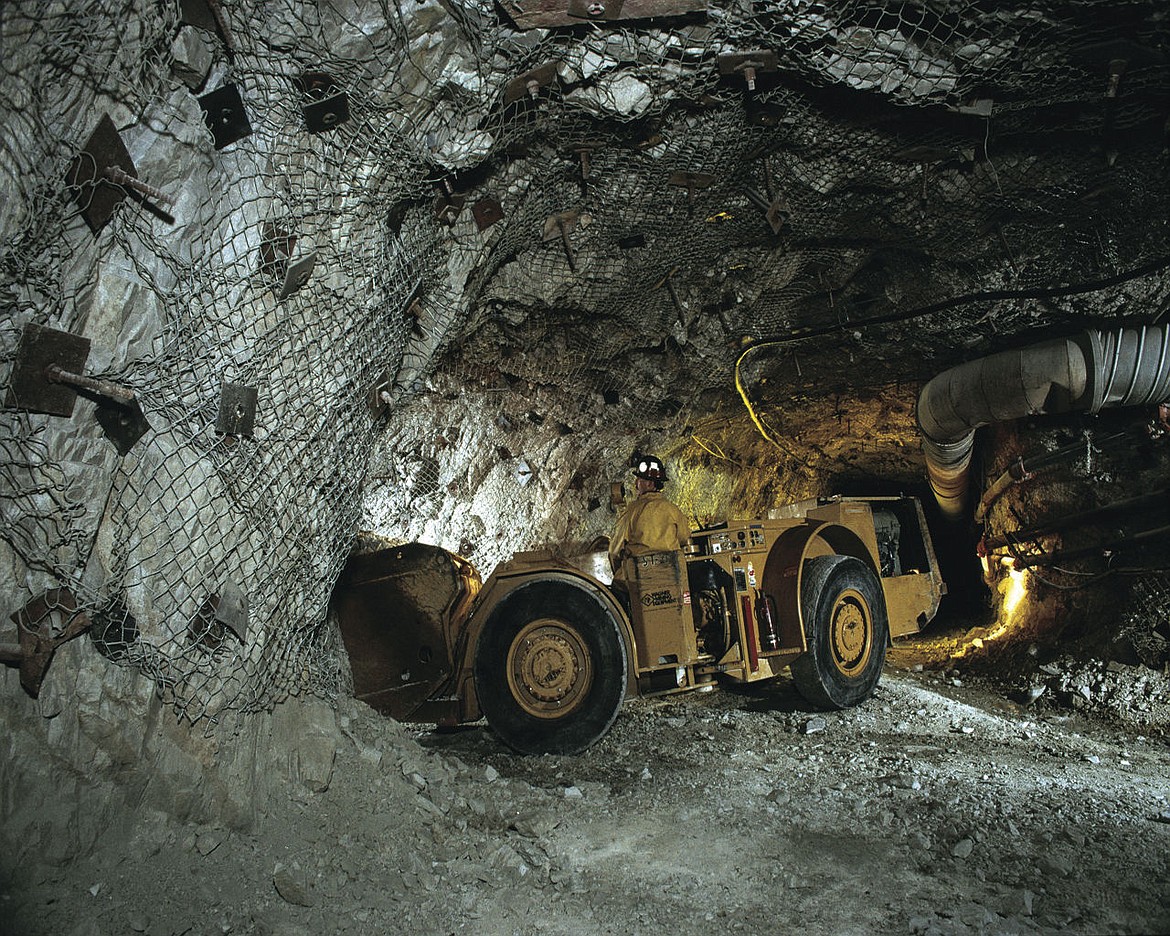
(1094, 370)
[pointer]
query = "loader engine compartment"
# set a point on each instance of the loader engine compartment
(712, 594)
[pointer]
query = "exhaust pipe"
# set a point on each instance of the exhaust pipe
(1086, 373)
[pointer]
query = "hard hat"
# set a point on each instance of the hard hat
(650, 468)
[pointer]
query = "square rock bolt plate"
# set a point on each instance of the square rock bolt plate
(384, 384)
(276, 246)
(97, 198)
(596, 9)
(736, 63)
(298, 274)
(448, 207)
(521, 86)
(223, 110)
(487, 211)
(326, 105)
(124, 423)
(197, 13)
(237, 410)
(327, 114)
(559, 225)
(28, 387)
(232, 610)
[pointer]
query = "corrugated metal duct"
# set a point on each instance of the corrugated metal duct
(1088, 372)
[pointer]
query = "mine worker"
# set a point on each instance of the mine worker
(651, 523)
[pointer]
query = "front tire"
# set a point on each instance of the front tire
(550, 669)
(847, 630)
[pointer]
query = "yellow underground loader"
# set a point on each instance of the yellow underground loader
(546, 652)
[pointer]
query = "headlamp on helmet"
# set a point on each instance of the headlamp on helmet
(649, 468)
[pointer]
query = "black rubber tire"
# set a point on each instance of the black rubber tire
(847, 629)
(563, 615)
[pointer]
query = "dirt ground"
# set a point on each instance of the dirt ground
(941, 806)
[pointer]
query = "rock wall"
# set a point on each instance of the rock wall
(202, 551)
(98, 754)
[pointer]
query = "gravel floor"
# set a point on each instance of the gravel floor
(940, 806)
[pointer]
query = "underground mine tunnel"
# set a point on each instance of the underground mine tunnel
(334, 335)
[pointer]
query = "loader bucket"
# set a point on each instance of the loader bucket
(394, 608)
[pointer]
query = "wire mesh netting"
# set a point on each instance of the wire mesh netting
(907, 160)
(593, 205)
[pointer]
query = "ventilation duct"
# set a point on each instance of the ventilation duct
(1088, 372)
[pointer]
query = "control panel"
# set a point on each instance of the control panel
(740, 539)
(742, 549)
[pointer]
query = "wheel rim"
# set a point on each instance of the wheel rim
(549, 668)
(851, 633)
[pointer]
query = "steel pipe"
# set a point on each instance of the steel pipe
(1096, 369)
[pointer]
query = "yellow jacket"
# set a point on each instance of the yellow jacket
(650, 524)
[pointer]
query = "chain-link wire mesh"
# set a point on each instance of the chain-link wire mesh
(995, 154)
(656, 214)
(1147, 621)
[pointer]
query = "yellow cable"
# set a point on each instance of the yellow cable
(707, 448)
(743, 391)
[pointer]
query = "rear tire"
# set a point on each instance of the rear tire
(847, 629)
(550, 669)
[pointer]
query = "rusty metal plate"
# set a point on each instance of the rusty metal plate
(977, 107)
(114, 630)
(487, 211)
(28, 387)
(297, 275)
(764, 113)
(217, 615)
(237, 410)
(276, 246)
(777, 215)
(391, 608)
(528, 84)
(596, 9)
(382, 395)
(223, 110)
(414, 315)
(124, 423)
(736, 63)
(97, 197)
(413, 311)
(42, 625)
(203, 630)
(531, 14)
(559, 225)
(691, 180)
(448, 207)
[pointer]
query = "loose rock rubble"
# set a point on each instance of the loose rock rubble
(939, 807)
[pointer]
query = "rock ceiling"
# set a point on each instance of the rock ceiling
(893, 191)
